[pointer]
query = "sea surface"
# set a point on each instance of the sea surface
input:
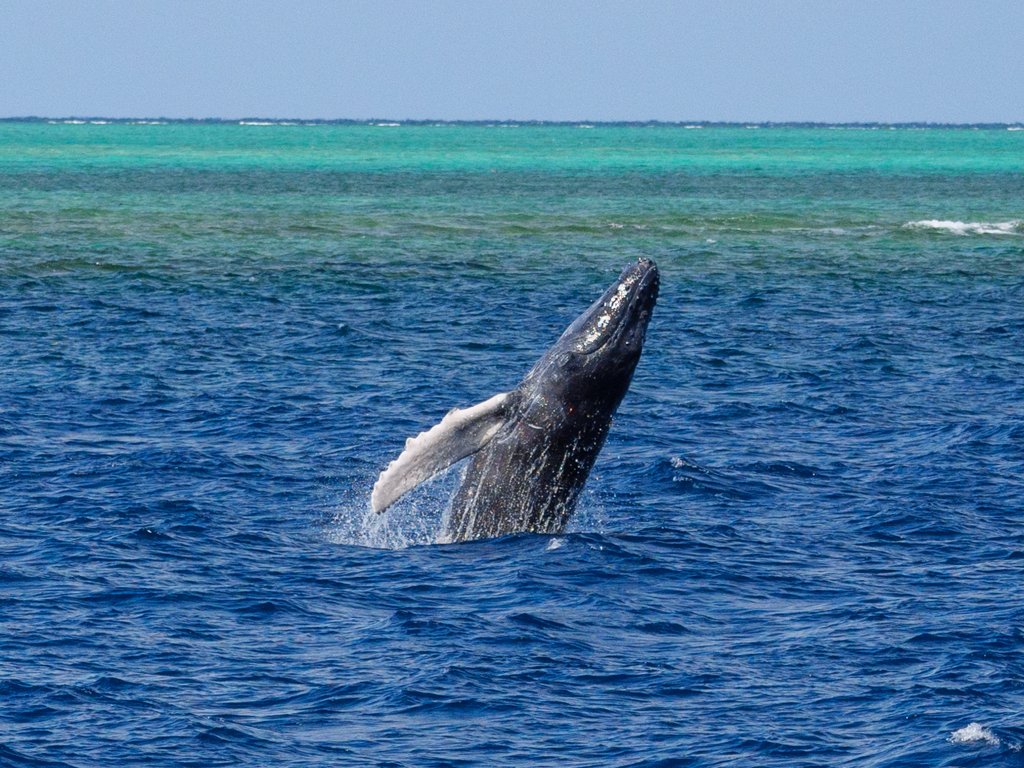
(802, 545)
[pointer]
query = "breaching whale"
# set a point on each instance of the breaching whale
(532, 448)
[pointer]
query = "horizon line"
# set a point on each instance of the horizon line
(385, 122)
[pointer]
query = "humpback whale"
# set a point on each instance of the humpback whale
(532, 448)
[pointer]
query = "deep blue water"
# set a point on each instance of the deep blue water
(803, 544)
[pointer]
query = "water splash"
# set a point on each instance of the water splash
(417, 519)
(974, 732)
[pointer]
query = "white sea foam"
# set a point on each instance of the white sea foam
(970, 227)
(555, 543)
(973, 733)
(255, 122)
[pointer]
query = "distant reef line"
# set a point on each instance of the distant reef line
(505, 123)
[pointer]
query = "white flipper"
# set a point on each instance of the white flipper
(459, 434)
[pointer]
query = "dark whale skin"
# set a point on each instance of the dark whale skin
(529, 477)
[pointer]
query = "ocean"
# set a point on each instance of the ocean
(802, 544)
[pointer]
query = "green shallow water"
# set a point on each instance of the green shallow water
(26, 147)
(198, 197)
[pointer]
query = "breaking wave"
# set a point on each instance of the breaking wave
(1015, 227)
(974, 732)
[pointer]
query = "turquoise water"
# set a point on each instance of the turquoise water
(601, 150)
(295, 192)
(801, 544)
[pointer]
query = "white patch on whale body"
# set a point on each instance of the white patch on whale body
(459, 434)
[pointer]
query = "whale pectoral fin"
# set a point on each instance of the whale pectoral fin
(459, 434)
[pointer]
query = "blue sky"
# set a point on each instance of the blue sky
(774, 60)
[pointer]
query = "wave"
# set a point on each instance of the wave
(1015, 227)
(973, 733)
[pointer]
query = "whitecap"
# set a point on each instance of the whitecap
(555, 543)
(968, 227)
(972, 733)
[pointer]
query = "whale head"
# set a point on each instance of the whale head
(593, 361)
